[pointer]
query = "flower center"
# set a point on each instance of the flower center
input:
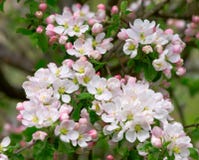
(131, 47)
(61, 90)
(138, 128)
(76, 28)
(63, 131)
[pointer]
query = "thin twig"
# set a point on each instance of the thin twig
(26, 147)
(192, 125)
(156, 9)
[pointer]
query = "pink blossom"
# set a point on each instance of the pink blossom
(39, 29)
(114, 10)
(39, 135)
(43, 6)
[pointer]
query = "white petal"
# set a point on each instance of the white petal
(130, 136)
(5, 142)
(66, 98)
(142, 135)
(73, 135)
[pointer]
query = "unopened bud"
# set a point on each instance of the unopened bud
(109, 157)
(39, 135)
(93, 133)
(39, 14)
(39, 29)
(101, 6)
(114, 10)
(43, 6)
(97, 28)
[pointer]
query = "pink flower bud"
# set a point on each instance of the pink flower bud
(52, 39)
(63, 39)
(93, 133)
(114, 10)
(39, 29)
(68, 45)
(189, 32)
(50, 19)
(83, 121)
(19, 117)
(156, 142)
(97, 28)
(39, 135)
(20, 106)
(177, 49)
(131, 80)
(147, 49)
(43, 6)
(118, 76)
(122, 35)
(63, 116)
(181, 71)
(101, 6)
(195, 19)
(91, 144)
(193, 25)
(83, 58)
(123, 80)
(167, 73)
(19, 129)
(78, 5)
(109, 157)
(96, 55)
(69, 63)
(159, 48)
(98, 73)
(91, 21)
(157, 132)
(180, 63)
(197, 35)
(22, 143)
(168, 31)
(39, 14)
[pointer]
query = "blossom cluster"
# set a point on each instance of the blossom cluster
(49, 92)
(127, 108)
(192, 30)
(3, 148)
(80, 31)
(148, 37)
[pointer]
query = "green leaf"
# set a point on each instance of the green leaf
(97, 64)
(134, 155)
(16, 157)
(33, 5)
(24, 31)
(123, 6)
(43, 150)
(52, 2)
(84, 96)
(65, 147)
(149, 72)
(93, 116)
(2, 5)
(43, 42)
(194, 153)
(28, 133)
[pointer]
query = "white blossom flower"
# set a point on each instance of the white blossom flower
(4, 144)
(130, 48)
(66, 131)
(97, 86)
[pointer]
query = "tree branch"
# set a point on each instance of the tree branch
(15, 59)
(156, 9)
(10, 90)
